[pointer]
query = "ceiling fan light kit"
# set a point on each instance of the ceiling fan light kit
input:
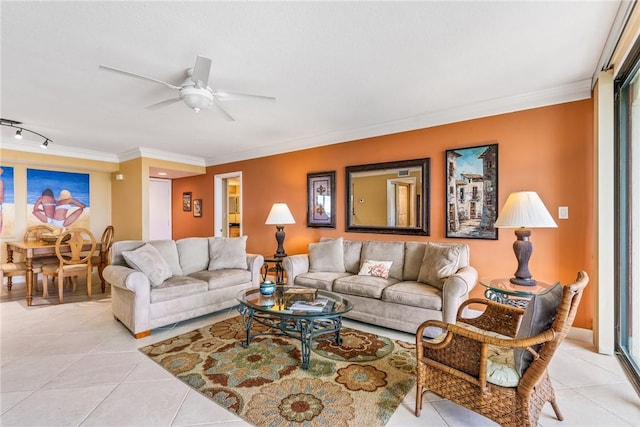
(194, 90)
(196, 98)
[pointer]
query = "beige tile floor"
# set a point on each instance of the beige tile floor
(74, 365)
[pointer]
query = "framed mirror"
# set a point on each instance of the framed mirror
(391, 198)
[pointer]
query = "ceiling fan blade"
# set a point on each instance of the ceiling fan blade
(215, 106)
(163, 103)
(138, 76)
(227, 95)
(200, 75)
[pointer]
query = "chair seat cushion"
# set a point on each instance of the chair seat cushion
(501, 366)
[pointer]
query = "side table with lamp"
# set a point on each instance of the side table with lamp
(279, 215)
(523, 210)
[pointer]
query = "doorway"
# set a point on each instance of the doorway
(159, 209)
(227, 216)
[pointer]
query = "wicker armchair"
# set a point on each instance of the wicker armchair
(455, 367)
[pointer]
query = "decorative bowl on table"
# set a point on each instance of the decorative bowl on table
(267, 288)
(53, 237)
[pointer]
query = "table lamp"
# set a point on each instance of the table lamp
(280, 215)
(524, 210)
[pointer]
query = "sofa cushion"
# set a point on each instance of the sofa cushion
(224, 278)
(439, 262)
(193, 253)
(169, 252)
(318, 280)
(413, 254)
(177, 287)
(225, 252)
(148, 260)
(537, 318)
(364, 286)
(327, 256)
(352, 249)
(388, 251)
(415, 294)
(375, 268)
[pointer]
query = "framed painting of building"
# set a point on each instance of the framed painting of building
(472, 192)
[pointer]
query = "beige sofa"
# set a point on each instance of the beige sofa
(425, 280)
(160, 282)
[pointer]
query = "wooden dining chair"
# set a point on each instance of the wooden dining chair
(74, 259)
(19, 268)
(100, 259)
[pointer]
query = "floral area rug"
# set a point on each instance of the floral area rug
(360, 383)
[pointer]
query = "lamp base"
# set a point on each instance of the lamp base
(523, 281)
(280, 253)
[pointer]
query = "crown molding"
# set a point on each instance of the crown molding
(566, 93)
(152, 153)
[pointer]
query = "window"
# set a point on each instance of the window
(627, 92)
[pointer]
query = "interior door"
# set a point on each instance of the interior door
(159, 209)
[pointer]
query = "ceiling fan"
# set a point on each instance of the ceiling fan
(195, 90)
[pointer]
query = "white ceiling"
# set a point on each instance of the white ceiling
(339, 70)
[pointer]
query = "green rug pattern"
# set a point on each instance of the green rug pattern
(360, 383)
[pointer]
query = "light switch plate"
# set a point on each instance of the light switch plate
(563, 212)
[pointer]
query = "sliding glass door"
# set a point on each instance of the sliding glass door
(628, 217)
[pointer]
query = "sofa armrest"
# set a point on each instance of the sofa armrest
(294, 265)
(129, 279)
(254, 264)
(456, 290)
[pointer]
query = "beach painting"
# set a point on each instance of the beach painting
(58, 198)
(7, 202)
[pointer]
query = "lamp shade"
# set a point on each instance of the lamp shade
(279, 215)
(524, 209)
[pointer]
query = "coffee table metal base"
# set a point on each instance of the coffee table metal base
(305, 329)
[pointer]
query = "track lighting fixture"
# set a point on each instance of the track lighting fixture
(18, 135)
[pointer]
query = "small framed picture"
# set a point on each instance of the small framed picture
(197, 207)
(321, 199)
(186, 201)
(472, 192)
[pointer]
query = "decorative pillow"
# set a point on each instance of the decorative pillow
(148, 260)
(375, 268)
(438, 263)
(537, 318)
(327, 256)
(227, 252)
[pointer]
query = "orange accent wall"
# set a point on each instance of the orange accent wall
(548, 150)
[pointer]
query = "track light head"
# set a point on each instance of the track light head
(18, 134)
(45, 144)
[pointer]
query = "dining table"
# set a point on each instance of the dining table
(34, 249)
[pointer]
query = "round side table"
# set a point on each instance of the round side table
(503, 291)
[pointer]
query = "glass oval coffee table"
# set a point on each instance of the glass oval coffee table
(319, 321)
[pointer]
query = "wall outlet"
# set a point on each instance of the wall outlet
(563, 212)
